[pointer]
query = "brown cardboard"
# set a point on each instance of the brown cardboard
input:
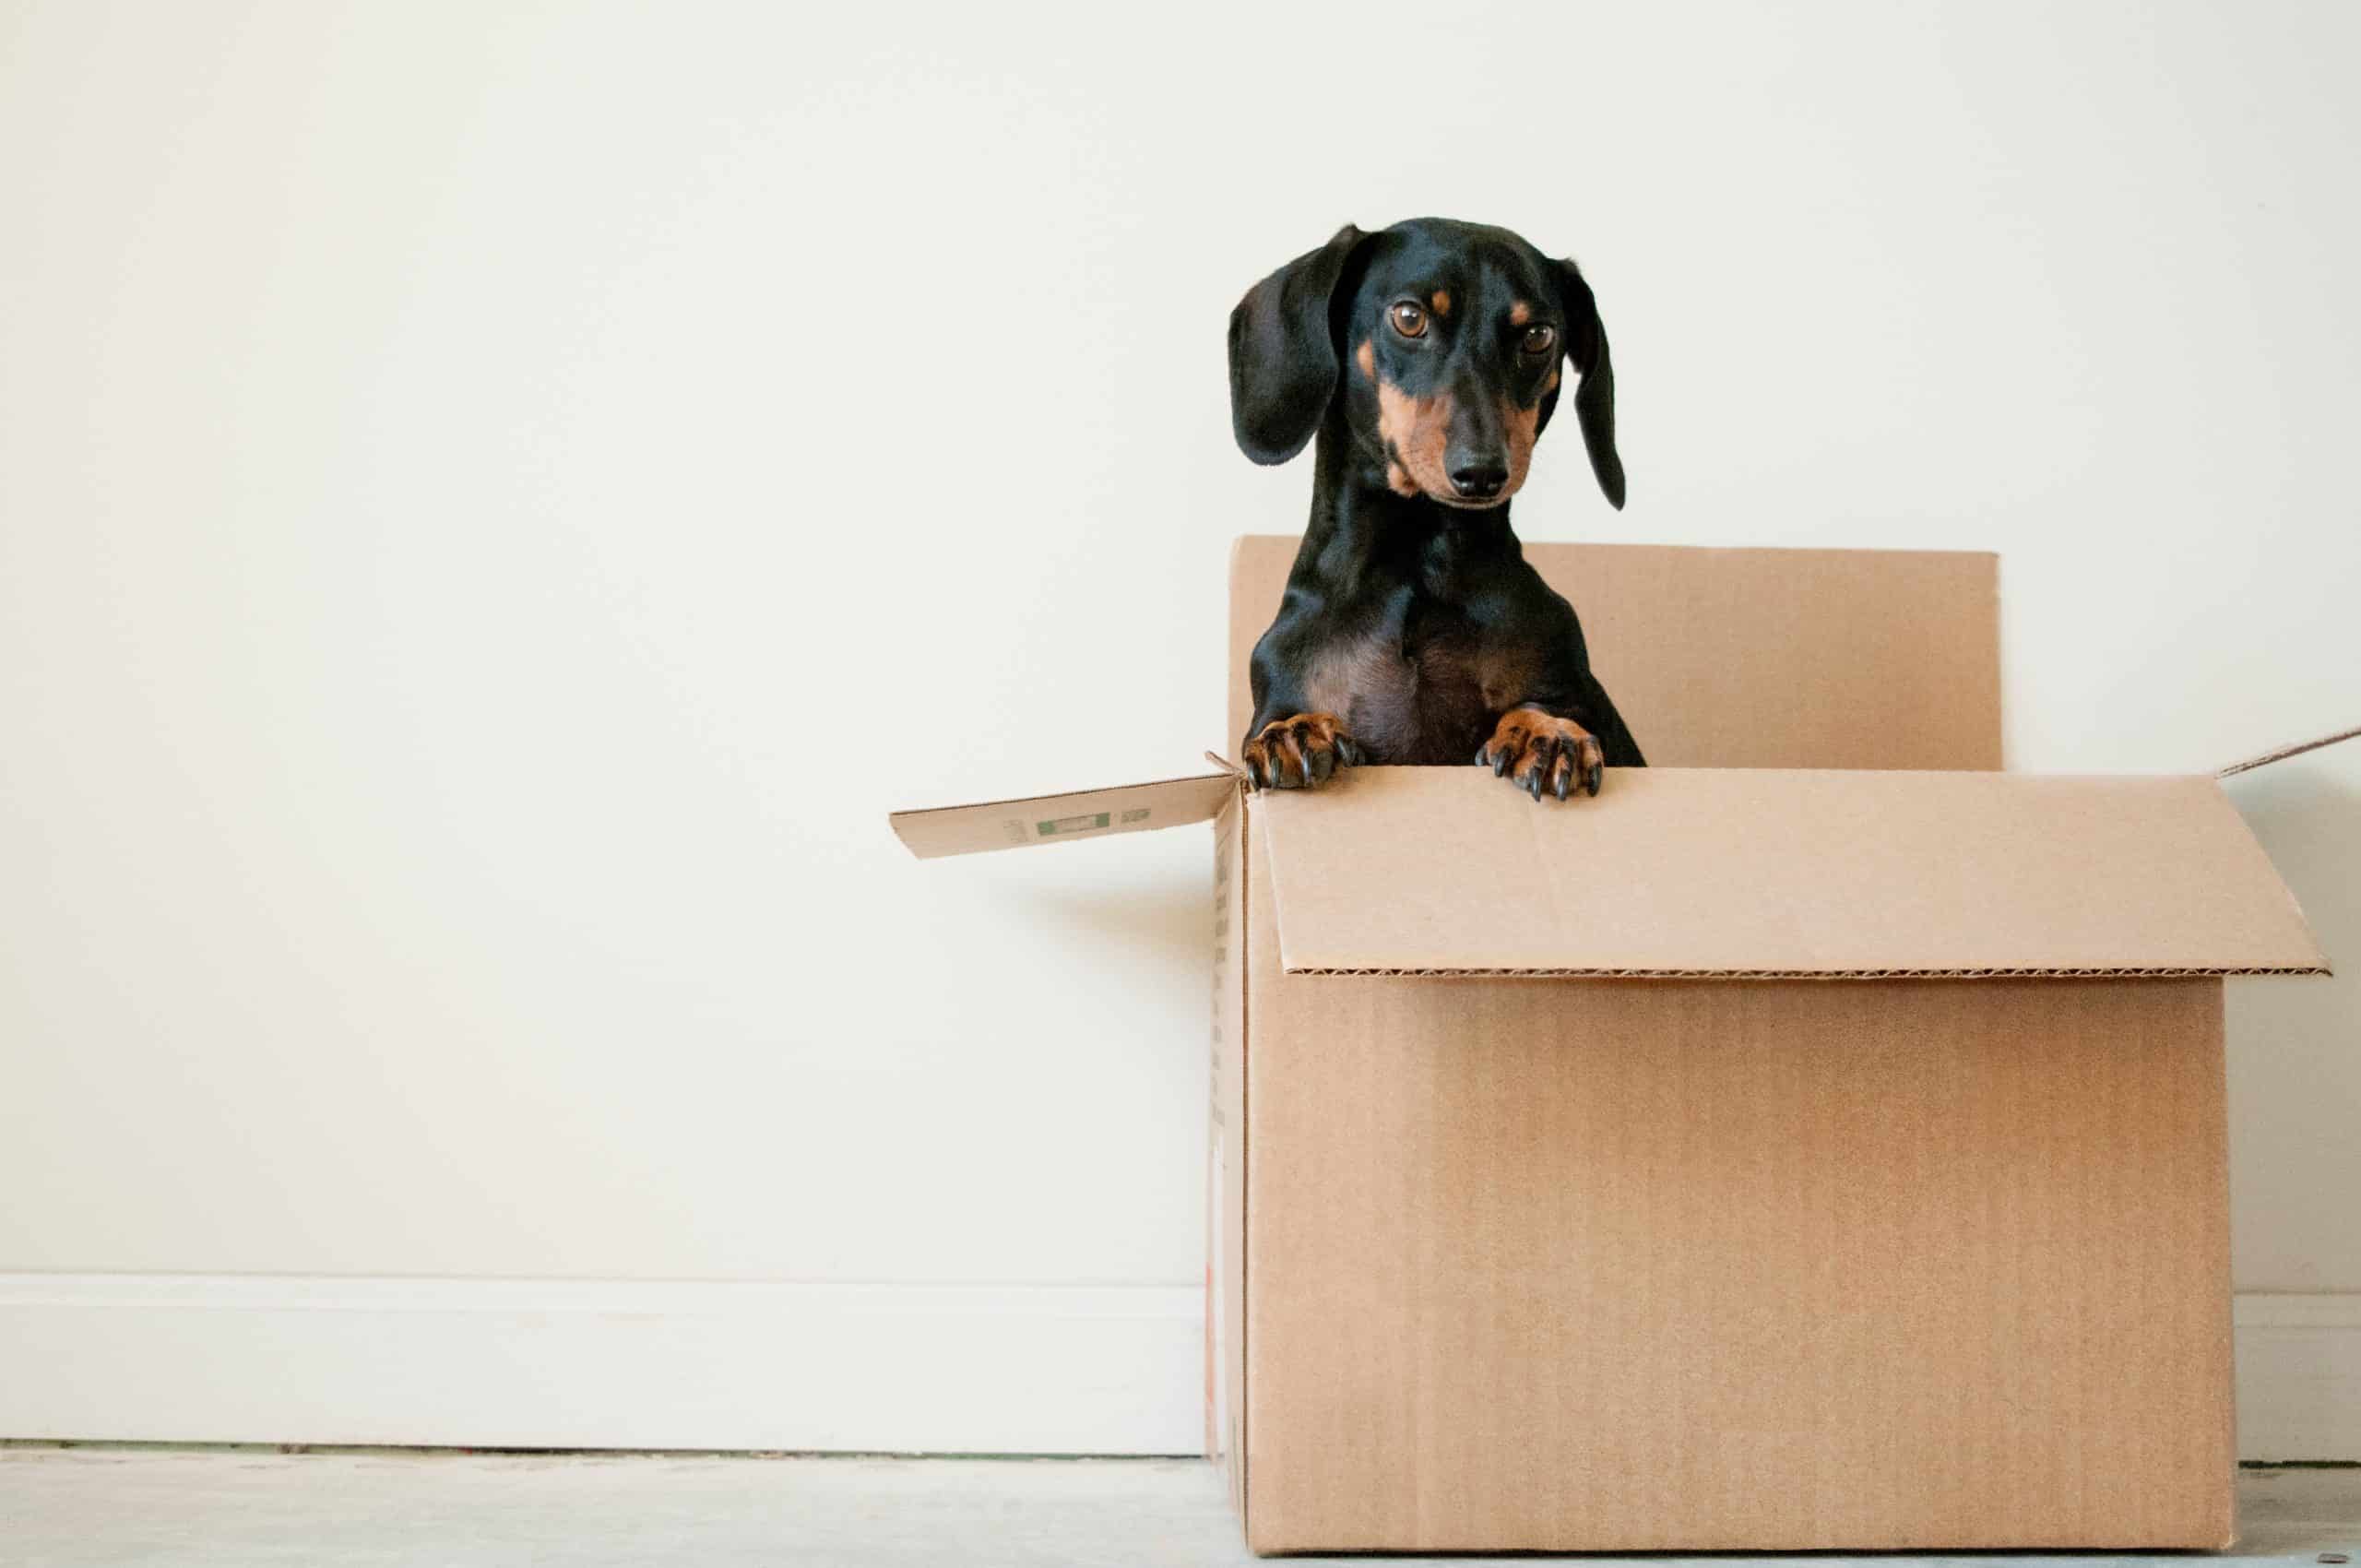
(1854, 1261)
(1742, 1265)
(1750, 658)
(1680, 871)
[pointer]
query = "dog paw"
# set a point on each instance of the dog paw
(1544, 755)
(1299, 752)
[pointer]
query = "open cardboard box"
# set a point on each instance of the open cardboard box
(1817, 1140)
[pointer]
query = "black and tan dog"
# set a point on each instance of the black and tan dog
(1426, 360)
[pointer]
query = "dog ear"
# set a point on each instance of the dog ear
(1595, 399)
(1283, 363)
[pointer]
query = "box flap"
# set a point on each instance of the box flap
(1776, 873)
(1054, 819)
(2281, 753)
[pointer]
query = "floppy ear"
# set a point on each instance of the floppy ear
(1283, 363)
(1595, 400)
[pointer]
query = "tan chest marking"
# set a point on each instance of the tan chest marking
(1505, 676)
(1364, 667)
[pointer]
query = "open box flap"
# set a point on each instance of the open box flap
(1054, 819)
(1776, 873)
(2281, 753)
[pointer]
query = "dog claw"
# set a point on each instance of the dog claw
(1298, 752)
(1544, 755)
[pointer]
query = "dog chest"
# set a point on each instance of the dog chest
(1422, 687)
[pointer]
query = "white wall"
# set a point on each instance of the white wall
(496, 501)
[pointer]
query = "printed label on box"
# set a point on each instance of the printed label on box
(1087, 823)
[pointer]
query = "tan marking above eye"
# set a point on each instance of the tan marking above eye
(1519, 314)
(1441, 302)
(1409, 318)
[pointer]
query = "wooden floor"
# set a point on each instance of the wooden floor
(216, 1508)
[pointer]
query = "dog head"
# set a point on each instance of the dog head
(1442, 344)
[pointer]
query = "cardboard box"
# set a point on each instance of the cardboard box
(1815, 1141)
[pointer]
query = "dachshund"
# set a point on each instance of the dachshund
(1426, 358)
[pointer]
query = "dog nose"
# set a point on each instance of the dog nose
(1479, 482)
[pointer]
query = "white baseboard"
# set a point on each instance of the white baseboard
(559, 1364)
(861, 1368)
(2299, 1376)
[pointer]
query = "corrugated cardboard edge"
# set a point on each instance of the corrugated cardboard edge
(2126, 972)
(2224, 1281)
(1227, 1285)
(1241, 1450)
(2281, 754)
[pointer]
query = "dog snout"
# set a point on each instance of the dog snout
(1476, 458)
(1480, 478)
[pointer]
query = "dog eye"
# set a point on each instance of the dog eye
(1540, 340)
(1409, 320)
